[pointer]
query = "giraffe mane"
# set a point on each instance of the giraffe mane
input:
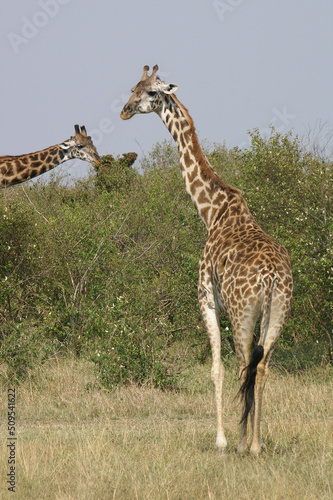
(7, 157)
(17, 157)
(205, 167)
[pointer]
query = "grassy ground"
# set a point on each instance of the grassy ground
(75, 440)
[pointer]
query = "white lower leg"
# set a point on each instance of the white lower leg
(217, 379)
(212, 321)
(258, 391)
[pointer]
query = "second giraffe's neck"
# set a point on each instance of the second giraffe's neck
(17, 169)
(208, 193)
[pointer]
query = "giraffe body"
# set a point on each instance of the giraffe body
(17, 169)
(243, 272)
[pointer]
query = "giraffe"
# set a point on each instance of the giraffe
(243, 272)
(17, 169)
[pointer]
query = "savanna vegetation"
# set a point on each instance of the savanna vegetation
(77, 441)
(101, 335)
(106, 269)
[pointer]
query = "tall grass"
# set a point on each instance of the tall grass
(77, 440)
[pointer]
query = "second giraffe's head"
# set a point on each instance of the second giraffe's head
(81, 146)
(147, 95)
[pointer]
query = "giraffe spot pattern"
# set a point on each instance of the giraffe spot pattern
(242, 270)
(16, 169)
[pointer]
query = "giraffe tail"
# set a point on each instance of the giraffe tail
(247, 388)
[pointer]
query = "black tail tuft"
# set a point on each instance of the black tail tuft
(247, 388)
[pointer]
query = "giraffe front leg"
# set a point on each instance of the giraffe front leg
(217, 375)
(211, 319)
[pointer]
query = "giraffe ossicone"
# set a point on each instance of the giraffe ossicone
(243, 272)
(17, 169)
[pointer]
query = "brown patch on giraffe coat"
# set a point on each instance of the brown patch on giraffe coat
(176, 113)
(214, 212)
(187, 135)
(235, 210)
(253, 280)
(220, 198)
(193, 175)
(210, 190)
(204, 213)
(187, 159)
(202, 198)
(194, 185)
(6, 169)
(182, 141)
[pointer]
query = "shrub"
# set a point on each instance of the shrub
(108, 267)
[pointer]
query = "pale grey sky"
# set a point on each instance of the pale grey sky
(239, 64)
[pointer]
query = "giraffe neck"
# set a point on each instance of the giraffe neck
(17, 169)
(210, 195)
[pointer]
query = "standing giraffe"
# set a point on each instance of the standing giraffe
(242, 271)
(17, 169)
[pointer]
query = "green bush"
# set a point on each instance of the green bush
(108, 267)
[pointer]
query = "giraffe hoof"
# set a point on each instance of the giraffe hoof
(255, 451)
(242, 449)
(221, 451)
(221, 445)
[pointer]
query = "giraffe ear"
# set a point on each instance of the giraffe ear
(169, 88)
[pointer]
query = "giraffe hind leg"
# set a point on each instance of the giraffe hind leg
(242, 445)
(247, 387)
(243, 326)
(260, 382)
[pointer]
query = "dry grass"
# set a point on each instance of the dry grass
(141, 443)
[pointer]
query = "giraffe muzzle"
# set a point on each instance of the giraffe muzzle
(127, 112)
(96, 160)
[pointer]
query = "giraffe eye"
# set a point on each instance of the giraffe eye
(152, 93)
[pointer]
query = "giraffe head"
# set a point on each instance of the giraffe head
(80, 146)
(147, 95)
